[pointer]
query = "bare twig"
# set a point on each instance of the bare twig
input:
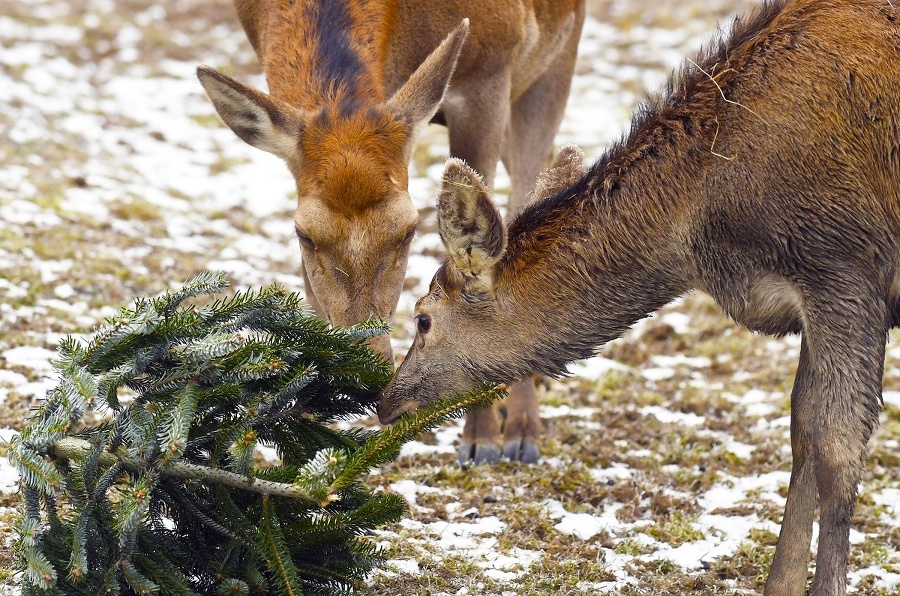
(78, 449)
(716, 136)
(455, 183)
(722, 93)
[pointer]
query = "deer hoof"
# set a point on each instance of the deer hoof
(524, 451)
(479, 453)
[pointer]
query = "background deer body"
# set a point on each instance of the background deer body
(767, 176)
(350, 82)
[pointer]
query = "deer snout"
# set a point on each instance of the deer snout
(391, 406)
(386, 412)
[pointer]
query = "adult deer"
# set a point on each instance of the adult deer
(768, 176)
(351, 81)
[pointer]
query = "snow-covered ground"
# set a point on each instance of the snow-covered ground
(665, 460)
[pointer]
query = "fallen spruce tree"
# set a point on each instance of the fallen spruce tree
(140, 472)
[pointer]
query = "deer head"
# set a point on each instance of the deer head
(354, 217)
(462, 331)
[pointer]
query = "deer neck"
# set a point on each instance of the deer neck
(583, 266)
(326, 53)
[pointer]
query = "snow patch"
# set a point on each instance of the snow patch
(582, 525)
(32, 357)
(9, 477)
(595, 368)
(410, 490)
(672, 417)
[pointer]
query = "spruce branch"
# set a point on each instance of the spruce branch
(164, 574)
(38, 568)
(174, 437)
(138, 582)
(166, 493)
(34, 469)
(206, 282)
(177, 499)
(78, 561)
(73, 449)
(386, 445)
(234, 587)
(131, 510)
(278, 559)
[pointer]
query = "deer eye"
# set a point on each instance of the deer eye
(306, 240)
(423, 323)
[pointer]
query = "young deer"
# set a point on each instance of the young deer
(351, 81)
(768, 176)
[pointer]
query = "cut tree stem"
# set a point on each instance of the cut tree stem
(78, 449)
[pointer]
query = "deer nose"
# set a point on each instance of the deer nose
(390, 407)
(386, 408)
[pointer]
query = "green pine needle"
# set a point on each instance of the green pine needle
(277, 556)
(175, 436)
(386, 445)
(206, 282)
(138, 582)
(34, 469)
(38, 569)
(165, 494)
(234, 587)
(131, 511)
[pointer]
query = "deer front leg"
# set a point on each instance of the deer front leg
(844, 331)
(788, 574)
(534, 121)
(476, 118)
(533, 124)
(851, 362)
(480, 437)
(520, 428)
(522, 425)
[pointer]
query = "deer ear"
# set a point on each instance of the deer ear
(567, 169)
(469, 224)
(419, 98)
(258, 118)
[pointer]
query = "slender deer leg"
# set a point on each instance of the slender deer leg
(528, 148)
(846, 332)
(522, 426)
(480, 437)
(533, 124)
(789, 567)
(854, 361)
(476, 121)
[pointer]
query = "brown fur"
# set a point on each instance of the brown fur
(350, 82)
(285, 38)
(767, 176)
(350, 162)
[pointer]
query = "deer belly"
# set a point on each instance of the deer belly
(767, 304)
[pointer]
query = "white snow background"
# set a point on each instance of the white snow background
(91, 132)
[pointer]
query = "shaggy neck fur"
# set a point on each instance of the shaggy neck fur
(331, 52)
